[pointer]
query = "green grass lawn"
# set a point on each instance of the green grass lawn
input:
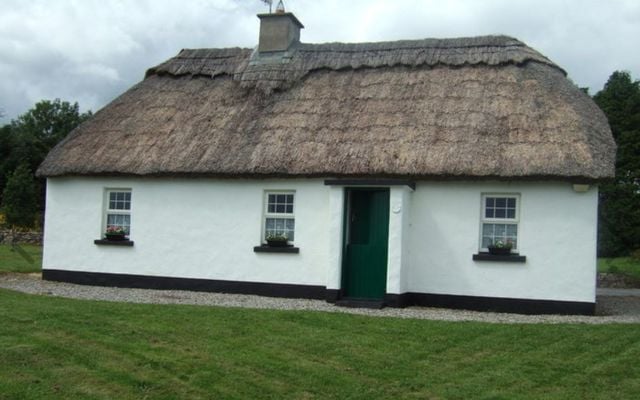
(72, 349)
(23, 258)
(620, 265)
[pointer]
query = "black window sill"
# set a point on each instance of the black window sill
(268, 249)
(505, 258)
(113, 242)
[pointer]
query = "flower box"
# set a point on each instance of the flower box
(115, 233)
(499, 251)
(277, 243)
(115, 236)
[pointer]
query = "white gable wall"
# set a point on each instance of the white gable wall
(206, 229)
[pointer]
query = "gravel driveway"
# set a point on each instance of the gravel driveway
(612, 306)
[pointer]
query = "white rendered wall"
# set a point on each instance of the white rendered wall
(336, 234)
(193, 228)
(399, 224)
(207, 229)
(557, 233)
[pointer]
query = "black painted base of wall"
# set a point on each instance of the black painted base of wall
(199, 285)
(476, 303)
(332, 295)
(399, 300)
(491, 304)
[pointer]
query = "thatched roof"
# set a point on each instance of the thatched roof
(484, 107)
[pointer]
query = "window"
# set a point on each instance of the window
(279, 214)
(500, 216)
(118, 209)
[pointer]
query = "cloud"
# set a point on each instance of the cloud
(90, 51)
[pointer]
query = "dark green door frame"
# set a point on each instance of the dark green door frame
(365, 243)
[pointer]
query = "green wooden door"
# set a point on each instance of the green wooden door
(364, 271)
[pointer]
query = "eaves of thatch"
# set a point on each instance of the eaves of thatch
(470, 108)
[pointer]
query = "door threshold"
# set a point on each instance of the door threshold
(360, 303)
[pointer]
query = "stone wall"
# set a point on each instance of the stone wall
(8, 236)
(617, 281)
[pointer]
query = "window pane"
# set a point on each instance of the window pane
(500, 207)
(280, 226)
(270, 224)
(113, 200)
(120, 221)
(280, 203)
(487, 229)
(119, 200)
(492, 233)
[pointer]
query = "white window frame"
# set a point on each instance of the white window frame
(505, 221)
(106, 211)
(266, 214)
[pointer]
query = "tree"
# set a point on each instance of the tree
(19, 198)
(29, 138)
(620, 101)
(6, 145)
(43, 126)
(619, 212)
(8, 163)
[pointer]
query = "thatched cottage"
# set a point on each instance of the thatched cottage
(392, 168)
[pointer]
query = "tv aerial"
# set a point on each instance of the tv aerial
(279, 6)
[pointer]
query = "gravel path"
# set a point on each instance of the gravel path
(612, 307)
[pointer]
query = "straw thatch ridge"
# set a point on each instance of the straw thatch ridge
(487, 107)
(278, 72)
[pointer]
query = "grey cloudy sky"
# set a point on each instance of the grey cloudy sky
(90, 51)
